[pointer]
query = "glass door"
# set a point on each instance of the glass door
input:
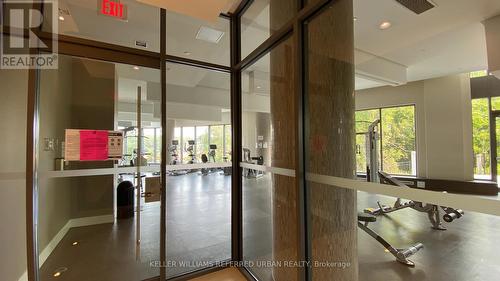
(98, 180)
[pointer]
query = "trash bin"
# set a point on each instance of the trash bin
(125, 200)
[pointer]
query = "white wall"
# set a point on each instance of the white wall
(448, 119)
(12, 173)
(443, 122)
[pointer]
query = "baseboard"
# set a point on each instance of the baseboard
(23, 277)
(53, 243)
(78, 222)
(86, 221)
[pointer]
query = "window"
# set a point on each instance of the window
(481, 138)
(201, 141)
(397, 140)
(217, 138)
(227, 142)
(219, 135)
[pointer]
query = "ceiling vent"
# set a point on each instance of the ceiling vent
(417, 6)
(209, 34)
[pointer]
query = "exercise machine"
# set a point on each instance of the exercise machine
(372, 137)
(373, 174)
(433, 211)
(227, 171)
(190, 149)
(401, 254)
(206, 159)
(174, 156)
(247, 158)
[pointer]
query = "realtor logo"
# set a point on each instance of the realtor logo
(20, 44)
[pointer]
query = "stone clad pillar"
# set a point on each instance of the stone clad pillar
(330, 140)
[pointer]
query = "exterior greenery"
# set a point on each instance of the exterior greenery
(481, 137)
(397, 139)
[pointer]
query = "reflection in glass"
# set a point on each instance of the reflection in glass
(261, 20)
(198, 39)
(268, 139)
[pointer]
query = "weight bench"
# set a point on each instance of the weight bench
(433, 211)
(401, 255)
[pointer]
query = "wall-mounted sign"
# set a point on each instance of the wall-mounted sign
(93, 145)
(112, 8)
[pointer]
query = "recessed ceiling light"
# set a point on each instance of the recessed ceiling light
(75, 243)
(355, 18)
(136, 68)
(385, 25)
(187, 53)
(258, 87)
(57, 274)
(61, 18)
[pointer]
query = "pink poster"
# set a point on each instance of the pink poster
(93, 145)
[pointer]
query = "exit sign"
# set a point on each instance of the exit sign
(112, 8)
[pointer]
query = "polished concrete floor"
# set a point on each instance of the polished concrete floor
(230, 274)
(468, 250)
(198, 229)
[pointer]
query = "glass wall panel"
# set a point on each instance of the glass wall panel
(262, 19)
(270, 221)
(199, 198)
(130, 23)
(88, 219)
(198, 39)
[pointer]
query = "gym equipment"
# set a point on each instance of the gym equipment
(212, 151)
(247, 158)
(190, 149)
(401, 255)
(173, 152)
(371, 145)
(227, 171)
(174, 160)
(433, 211)
(206, 159)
